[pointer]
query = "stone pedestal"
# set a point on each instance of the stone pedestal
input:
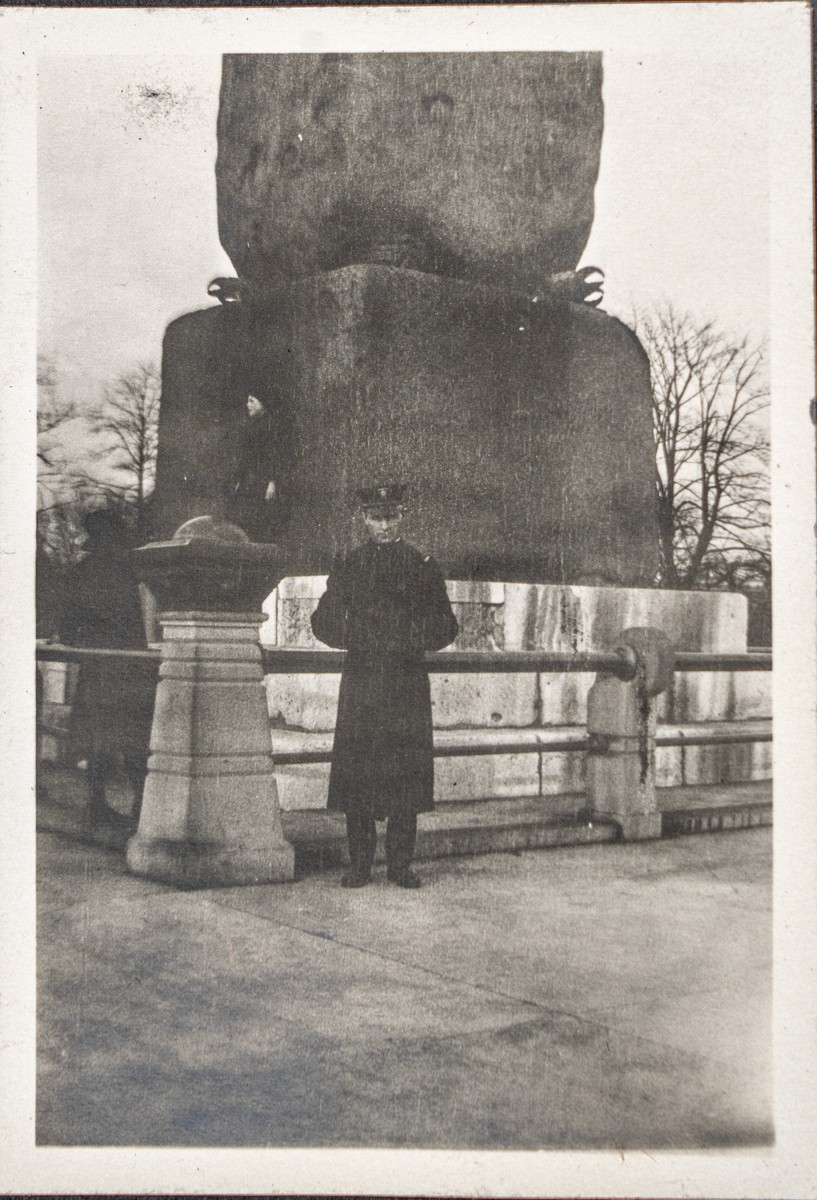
(210, 809)
(210, 814)
(523, 431)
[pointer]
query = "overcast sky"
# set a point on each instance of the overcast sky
(127, 210)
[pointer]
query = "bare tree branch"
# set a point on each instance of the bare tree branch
(53, 414)
(711, 449)
(127, 421)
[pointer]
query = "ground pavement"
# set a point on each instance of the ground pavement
(611, 995)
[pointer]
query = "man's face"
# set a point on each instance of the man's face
(382, 525)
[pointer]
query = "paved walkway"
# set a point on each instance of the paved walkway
(614, 995)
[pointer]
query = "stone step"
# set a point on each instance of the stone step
(455, 828)
(533, 822)
(715, 808)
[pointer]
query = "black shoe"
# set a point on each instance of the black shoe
(404, 877)
(355, 877)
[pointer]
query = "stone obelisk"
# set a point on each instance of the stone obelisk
(402, 226)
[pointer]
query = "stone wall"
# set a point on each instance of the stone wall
(507, 708)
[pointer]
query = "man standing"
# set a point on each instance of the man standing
(385, 604)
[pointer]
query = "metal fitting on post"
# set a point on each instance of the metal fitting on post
(654, 656)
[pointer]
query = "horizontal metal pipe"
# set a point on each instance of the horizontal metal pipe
(445, 662)
(295, 758)
(714, 739)
(458, 662)
(687, 660)
(300, 661)
(54, 652)
(480, 749)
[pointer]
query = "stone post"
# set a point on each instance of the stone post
(210, 814)
(621, 720)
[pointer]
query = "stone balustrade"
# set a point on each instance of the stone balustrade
(214, 794)
(507, 708)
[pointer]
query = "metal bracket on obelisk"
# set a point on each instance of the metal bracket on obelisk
(621, 720)
(210, 814)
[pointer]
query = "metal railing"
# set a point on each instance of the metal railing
(620, 663)
(297, 661)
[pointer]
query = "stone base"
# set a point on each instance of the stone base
(210, 813)
(203, 865)
(634, 827)
(714, 808)
(381, 372)
(482, 826)
(519, 824)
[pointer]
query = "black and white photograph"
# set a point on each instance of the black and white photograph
(419, 409)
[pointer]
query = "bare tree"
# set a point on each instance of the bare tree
(53, 414)
(128, 420)
(60, 534)
(709, 408)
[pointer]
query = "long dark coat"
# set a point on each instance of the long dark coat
(385, 605)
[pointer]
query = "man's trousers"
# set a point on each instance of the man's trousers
(401, 835)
